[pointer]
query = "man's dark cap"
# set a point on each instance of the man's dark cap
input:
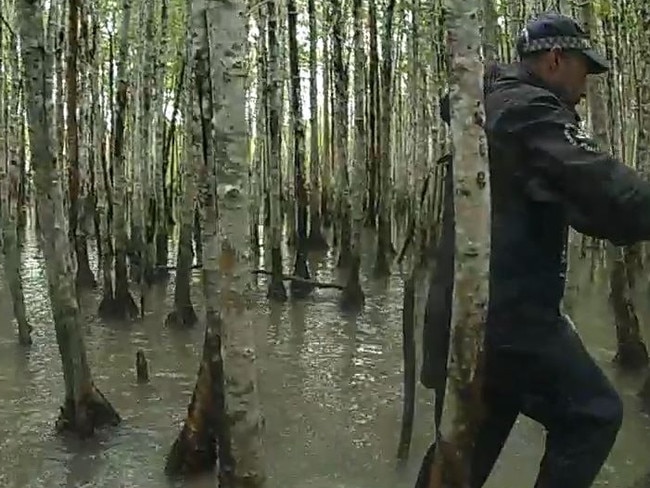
(553, 30)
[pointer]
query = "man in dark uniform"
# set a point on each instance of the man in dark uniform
(547, 174)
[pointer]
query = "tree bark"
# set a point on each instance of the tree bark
(277, 291)
(353, 297)
(462, 407)
(85, 408)
(316, 239)
(183, 314)
(301, 267)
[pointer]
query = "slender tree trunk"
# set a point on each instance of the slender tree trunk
(632, 352)
(257, 171)
(316, 239)
(353, 297)
(183, 314)
(326, 162)
(301, 267)
(340, 133)
(243, 417)
(85, 408)
(276, 291)
(123, 305)
(384, 242)
(10, 203)
(373, 119)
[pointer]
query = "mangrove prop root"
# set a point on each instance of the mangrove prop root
(195, 450)
(92, 412)
(182, 318)
(141, 367)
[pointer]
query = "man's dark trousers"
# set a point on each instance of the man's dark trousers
(543, 371)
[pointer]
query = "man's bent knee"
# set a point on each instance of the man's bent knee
(578, 445)
(604, 406)
(598, 422)
(609, 410)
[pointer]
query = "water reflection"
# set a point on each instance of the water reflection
(330, 386)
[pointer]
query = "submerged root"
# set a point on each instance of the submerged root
(632, 355)
(114, 308)
(195, 449)
(85, 278)
(345, 249)
(316, 240)
(93, 412)
(352, 297)
(382, 266)
(25, 334)
(344, 256)
(644, 394)
(160, 274)
(301, 289)
(125, 307)
(277, 291)
(107, 307)
(182, 318)
(141, 367)
(292, 239)
(193, 452)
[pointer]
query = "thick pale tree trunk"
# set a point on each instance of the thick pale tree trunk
(472, 214)
(85, 408)
(227, 27)
(203, 438)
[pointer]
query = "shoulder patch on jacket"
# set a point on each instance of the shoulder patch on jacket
(579, 137)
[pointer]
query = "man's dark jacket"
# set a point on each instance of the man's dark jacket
(546, 174)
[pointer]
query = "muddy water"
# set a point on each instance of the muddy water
(330, 388)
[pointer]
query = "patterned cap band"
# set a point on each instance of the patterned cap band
(564, 42)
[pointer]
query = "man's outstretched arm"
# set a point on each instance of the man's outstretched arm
(609, 199)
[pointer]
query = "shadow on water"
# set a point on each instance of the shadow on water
(330, 387)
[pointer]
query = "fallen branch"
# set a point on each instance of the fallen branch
(298, 279)
(295, 279)
(173, 268)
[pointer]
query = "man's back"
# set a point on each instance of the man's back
(529, 225)
(547, 174)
